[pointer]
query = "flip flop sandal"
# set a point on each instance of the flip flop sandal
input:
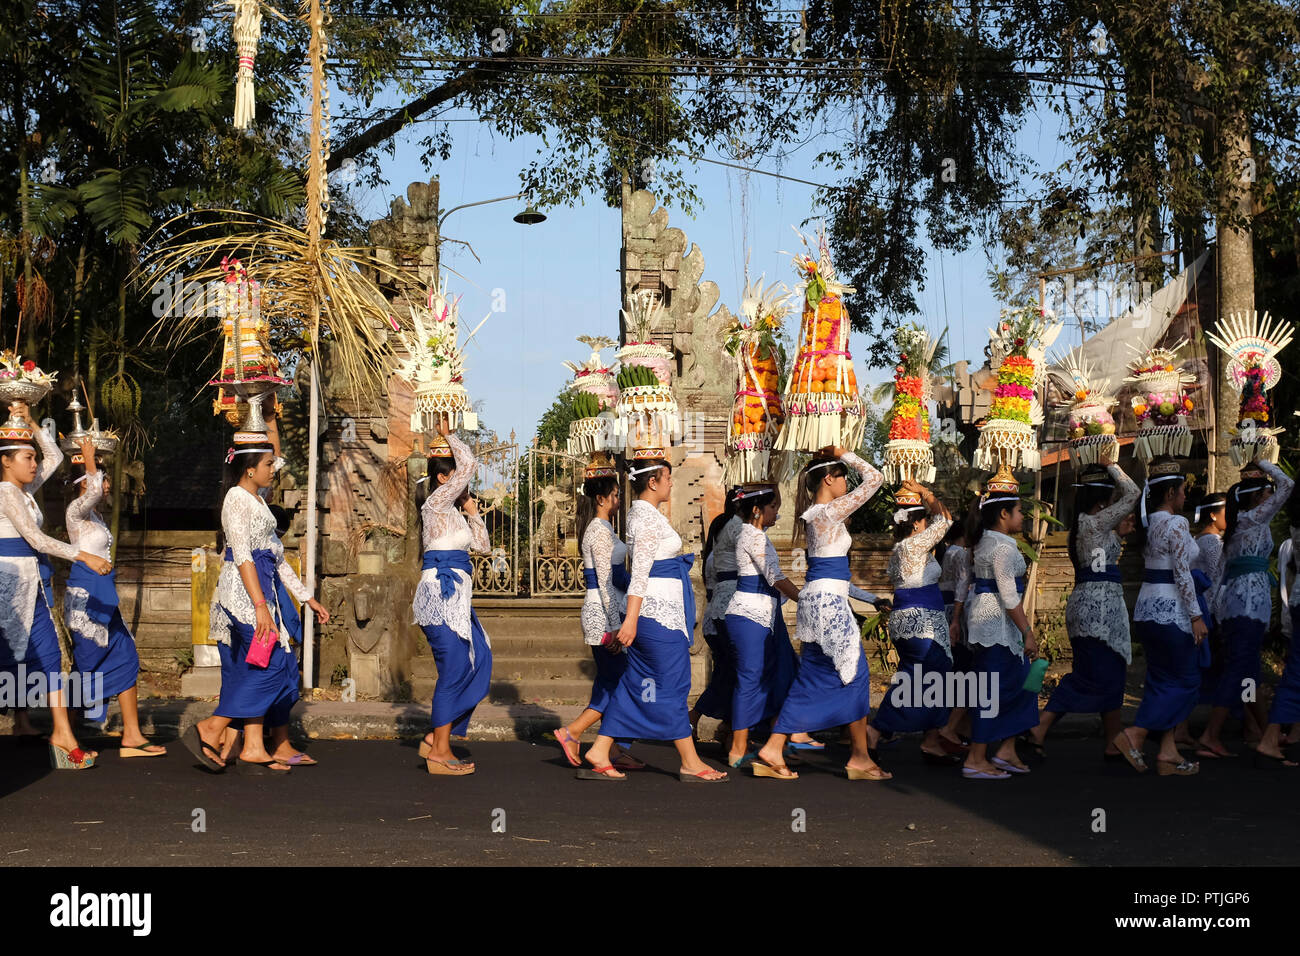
(957, 750)
(563, 741)
(298, 760)
(940, 760)
(449, 768)
(1008, 766)
(702, 777)
(970, 773)
(200, 748)
(1038, 750)
(600, 773)
(1268, 760)
(875, 776)
(259, 768)
(1184, 768)
(1124, 744)
(761, 768)
(141, 751)
(75, 759)
(805, 745)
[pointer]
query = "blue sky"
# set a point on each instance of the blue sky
(560, 278)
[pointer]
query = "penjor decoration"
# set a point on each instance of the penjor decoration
(908, 453)
(822, 404)
(1016, 349)
(1252, 343)
(1161, 404)
(247, 31)
(595, 395)
(756, 412)
(646, 415)
(434, 366)
(1088, 408)
(249, 368)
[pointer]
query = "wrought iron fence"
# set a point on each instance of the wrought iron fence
(555, 558)
(495, 485)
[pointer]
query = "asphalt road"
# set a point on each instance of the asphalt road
(370, 803)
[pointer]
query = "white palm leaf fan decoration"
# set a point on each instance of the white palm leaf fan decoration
(1088, 405)
(646, 415)
(1252, 343)
(595, 396)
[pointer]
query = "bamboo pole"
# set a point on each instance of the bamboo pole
(315, 181)
(1040, 521)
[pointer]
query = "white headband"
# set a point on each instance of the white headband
(420, 481)
(994, 501)
(16, 447)
(230, 455)
(641, 471)
(824, 464)
(901, 514)
(1196, 515)
(81, 479)
(1146, 487)
(1250, 489)
(740, 495)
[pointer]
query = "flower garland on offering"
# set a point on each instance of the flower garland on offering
(1160, 405)
(595, 395)
(1017, 347)
(908, 453)
(21, 381)
(1091, 425)
(434, 366)
(822, 403)
(646, 414)
(249, 368)
(1252, 343)
(756, 412)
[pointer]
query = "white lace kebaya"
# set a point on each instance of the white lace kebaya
(723, 556)
(20, 578)
(447, 528)
(603, 608)
(756, 555)
(1096, 609)
(1209, 552)
(248, 525)
(651, 538)
(87, 532)
(824, 616)
(954, 569)
(912, 565)
(1250, 595)
(1169, 548)
(997, 558)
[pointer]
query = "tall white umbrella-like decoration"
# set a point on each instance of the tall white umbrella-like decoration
(1252, 342)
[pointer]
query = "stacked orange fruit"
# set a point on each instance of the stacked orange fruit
(822, 336)
(751, 411)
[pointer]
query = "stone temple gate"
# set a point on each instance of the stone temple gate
(368, 564)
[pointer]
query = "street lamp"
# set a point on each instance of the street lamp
(530, 216)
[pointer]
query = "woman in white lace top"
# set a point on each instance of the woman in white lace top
(1168, 620)
(101, 643)
(833, 683)
(760, 646)
(450, 529)
(918, 629)
(1001, 637)
(604, 570)
(649, 702)
(1096, 617)
(1209, 521)
(720, 584)
(29, 645)
(1286, 696)
(1244, 601)
(259, 670)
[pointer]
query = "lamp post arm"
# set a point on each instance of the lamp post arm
(481, 202)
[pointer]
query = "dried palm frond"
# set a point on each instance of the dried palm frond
(295, 276)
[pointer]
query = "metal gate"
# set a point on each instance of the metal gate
(555, 558)
(496, 487)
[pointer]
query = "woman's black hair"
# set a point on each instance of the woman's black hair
(1237, 505)
(282, 520)
(593, 488)
(745, 506)
(982, 519)
(73, 484)
(813, 474)
(907, 527)
(717, 524)
(1156, 496)
(640, 482)
(1209, 504)
(1086, 497)
(234, 469)
(10, 454)
(434, 466)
